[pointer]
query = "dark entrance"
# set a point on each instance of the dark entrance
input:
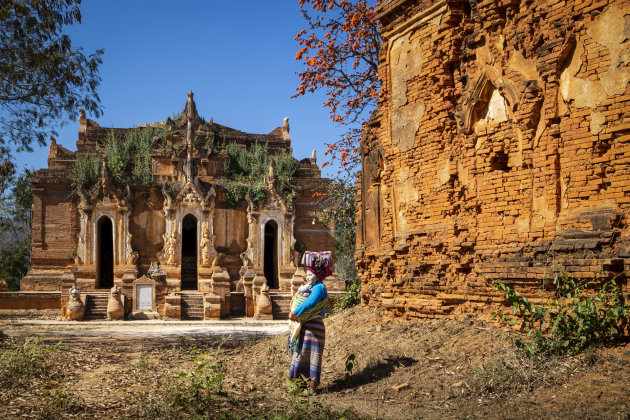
(105, 254)
(189, 253)
(271, 254)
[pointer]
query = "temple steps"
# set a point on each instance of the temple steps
(96, 306)
(280, 304)
(192, 306)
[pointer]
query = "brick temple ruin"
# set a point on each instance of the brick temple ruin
(500, 148)
(177, 248)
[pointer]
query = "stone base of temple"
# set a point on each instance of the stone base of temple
(42, 280)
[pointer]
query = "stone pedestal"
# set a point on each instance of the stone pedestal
(211, 306)
(173, 307)
(204, 279)
(299, 277)
(221, 287)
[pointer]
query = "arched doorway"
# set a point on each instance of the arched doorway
(189, 253)
(271, 254)
(105, 254)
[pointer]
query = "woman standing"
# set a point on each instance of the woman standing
(306, 325)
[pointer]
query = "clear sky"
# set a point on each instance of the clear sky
(236, 56)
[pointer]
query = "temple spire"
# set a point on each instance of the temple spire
(190, 109)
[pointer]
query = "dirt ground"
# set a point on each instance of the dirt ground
(431, 369)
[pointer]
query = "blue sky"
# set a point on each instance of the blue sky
(236, 56)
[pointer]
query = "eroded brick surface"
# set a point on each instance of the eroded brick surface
(499, 149)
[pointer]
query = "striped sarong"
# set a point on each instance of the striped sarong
(307, 359)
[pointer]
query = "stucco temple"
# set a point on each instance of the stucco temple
(177, 247)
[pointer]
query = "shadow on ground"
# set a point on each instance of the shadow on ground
(373, 373)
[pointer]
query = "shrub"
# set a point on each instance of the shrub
(245, 169)
(21, 364)
(202, 385)
(85, 173)
(569, 319)
(129, 156)
(351, 297)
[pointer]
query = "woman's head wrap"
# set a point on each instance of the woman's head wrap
(318, 263)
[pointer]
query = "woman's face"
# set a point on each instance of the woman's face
(310, 277)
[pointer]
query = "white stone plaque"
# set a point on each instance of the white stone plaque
(144, 296)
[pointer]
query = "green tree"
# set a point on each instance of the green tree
(43, 78)
(338, 206)
(16, 200)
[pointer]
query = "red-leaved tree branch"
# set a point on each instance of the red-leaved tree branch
(339, 50)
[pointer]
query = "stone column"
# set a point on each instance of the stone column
(221, 287)
(248, 283)
(127, 288)
(258, 283)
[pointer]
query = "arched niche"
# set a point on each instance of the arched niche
(105, 253)
(270, 254)
(189, 251)
(490, 98)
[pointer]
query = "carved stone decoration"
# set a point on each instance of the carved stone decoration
(156, 273)
(170, 236)
(115, 306)
(263, 304)
(247, 257)
(82, 237)
(75, 308)
(84, 208)
(208, 251)
(170, 249)
(292, 240)
(475, 102)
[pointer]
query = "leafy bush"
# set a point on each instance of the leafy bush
(570, 319)
(129, 156)
(203, 384)
(85, 173)
(21, 364)
(15, 261)
(351, 297)
(246, 169)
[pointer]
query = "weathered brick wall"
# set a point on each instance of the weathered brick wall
(500, 149)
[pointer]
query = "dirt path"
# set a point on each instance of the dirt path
(234, 330)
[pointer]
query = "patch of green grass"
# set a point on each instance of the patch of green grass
(20, 364)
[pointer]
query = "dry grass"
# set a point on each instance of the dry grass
(454, 369)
